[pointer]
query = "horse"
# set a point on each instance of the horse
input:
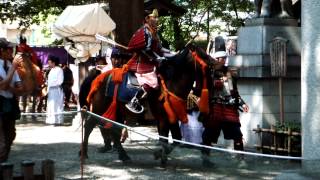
(177, 77)
(31, 77)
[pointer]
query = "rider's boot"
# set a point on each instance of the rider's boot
(134, 105)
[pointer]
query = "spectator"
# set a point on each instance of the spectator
(10, 85)
(55, 99)
(67, 84)
(192, 131)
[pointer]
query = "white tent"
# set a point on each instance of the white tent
(79, 24)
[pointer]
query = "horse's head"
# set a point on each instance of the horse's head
(186, 69)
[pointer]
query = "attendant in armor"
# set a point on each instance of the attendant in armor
(225, 106)
(148, 54)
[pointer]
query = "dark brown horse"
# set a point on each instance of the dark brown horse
(178, 76)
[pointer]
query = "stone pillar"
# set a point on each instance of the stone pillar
(256, 85)
(310, 84)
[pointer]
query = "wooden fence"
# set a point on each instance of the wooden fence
(27, 172)
(278, 141)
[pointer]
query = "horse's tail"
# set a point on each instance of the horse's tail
(85, 87)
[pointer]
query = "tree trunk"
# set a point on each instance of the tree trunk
(128, 16)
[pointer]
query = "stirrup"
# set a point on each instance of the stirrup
(144, 93)
(134, 106)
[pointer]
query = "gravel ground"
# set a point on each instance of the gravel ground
(36, 141)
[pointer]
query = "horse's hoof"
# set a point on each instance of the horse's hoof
(157, 154)
(207, 164)
(164, 158)
(126, 161)
(124, 158)
(105, 149)
(163, 163)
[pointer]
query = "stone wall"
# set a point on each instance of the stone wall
(256, 85)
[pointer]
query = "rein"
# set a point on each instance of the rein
(204, 98)
(173, 105)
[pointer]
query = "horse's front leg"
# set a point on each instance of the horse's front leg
(162, 153)
(176, 134)
(117, 134)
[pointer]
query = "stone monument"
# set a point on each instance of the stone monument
(310, 93)
(256, 85)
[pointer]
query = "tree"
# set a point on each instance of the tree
(29, 12)
(200, 18)
(175, 30)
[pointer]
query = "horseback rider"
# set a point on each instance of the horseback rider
(148, 54)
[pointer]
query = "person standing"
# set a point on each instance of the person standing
(193, 129)
(55, 101)
(67, 84)
(225, 106)
(10, 85)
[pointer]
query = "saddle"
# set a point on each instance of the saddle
(132, 81)
(127, 89)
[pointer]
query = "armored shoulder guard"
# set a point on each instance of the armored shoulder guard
(137, 41)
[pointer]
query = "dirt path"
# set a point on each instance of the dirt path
(36, 141)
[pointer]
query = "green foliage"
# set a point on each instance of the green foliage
(200, 17)
(176, 31)
(29, 12)
(294, 126)
(57, 42)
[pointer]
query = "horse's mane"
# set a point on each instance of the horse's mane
(178, 62)
(171, 64)
(201, 53)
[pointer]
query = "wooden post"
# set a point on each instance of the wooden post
(260, 137)
(6, 171)
(278, 57)
(281, 103)
(47, 169)
(274, 133)
(289, 141)
(27, 170)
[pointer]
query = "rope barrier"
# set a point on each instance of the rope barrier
(156, 137)
(47, 114)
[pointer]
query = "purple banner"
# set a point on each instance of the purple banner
(44, 52)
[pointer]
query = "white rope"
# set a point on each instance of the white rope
(48, 114)
(156, 137)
